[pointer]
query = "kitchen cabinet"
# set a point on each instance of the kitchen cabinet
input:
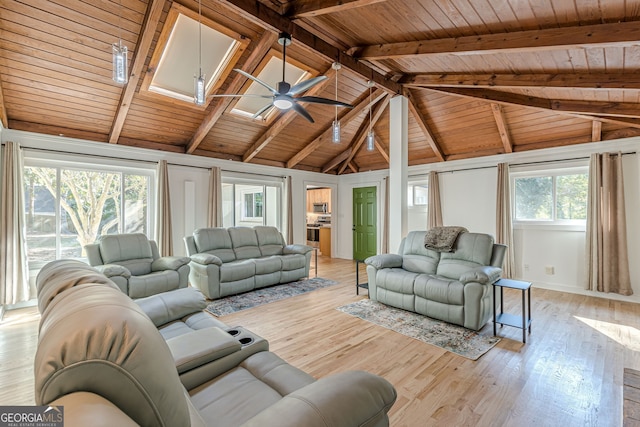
(325, 241)
(318, 195)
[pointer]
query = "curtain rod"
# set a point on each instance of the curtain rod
(514, 164)
(103, 156)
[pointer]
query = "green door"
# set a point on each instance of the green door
(364, 222)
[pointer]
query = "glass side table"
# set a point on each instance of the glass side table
(523, 322)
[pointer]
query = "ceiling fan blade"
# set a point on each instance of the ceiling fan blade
(262, 110)
(257, 80)
(318, 100)
(300, 110)
(306, 85)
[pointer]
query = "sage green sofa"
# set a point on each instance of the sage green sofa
(228, 261)
(110, 361)
(133, 263)
(451, 286)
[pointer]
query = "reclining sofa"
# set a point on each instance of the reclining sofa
(133, 263)
(228, 261)
(163, 362)
(451, 286)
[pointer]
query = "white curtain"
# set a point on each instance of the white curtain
(434, 209)
(215, 198)
(289, 211)
(504, 228)
(606, 243)
(163, 211)
(14, 274)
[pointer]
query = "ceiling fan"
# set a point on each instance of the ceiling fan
(283, 97)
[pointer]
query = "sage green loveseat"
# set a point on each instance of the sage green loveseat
(451, 286)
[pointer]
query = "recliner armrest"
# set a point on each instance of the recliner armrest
(169, 263)
(296, 249)
(352, 398)
(206, 259)
(113, 270)
(384, 261)
(485, 275)
(201, 346)
(168, 306)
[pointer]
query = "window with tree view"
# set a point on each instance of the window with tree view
(68, 208)
(555, 197)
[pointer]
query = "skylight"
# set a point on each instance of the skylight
(176, 62)
(272, 74)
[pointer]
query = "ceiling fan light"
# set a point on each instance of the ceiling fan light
(371, 141)
(282, 102)
(199, 92)
(336, 132)
(120, 74)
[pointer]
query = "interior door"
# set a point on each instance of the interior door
(364, 222)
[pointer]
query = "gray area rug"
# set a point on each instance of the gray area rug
(456, 339)
(233, 303)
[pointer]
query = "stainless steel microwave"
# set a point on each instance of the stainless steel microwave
(320, 208)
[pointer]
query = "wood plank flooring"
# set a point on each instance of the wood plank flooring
(570, 372)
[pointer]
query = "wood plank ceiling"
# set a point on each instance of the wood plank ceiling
(483, 77)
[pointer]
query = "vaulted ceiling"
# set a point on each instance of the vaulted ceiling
(482, 77)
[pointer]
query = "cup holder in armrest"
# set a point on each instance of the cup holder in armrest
(246, 340)
(233, 332)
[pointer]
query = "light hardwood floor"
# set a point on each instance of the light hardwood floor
(568, 374)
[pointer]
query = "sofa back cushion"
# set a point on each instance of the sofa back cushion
(471, 250)
(270, 240)
(245, 242)
(415, 257)
(94, 338)
(215, 241)
(132, 251)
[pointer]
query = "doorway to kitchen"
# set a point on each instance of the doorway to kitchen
(319, 218)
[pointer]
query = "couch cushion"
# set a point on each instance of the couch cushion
(245, 242)
(293, 261)
(396, 280)
(130, 250)
(471, 250)
(215, 241)
(153, 283)
(415, 257)
(266, 265)
(237, 270)
(270, 240)
(439, 289)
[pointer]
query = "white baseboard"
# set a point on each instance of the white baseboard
(579, 291)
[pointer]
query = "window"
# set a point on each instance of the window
(248, 204)
(417, 194)
(553, 197)
(67, 208)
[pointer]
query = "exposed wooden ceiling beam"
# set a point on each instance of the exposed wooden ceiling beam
(596, 131)
(619, 34)
(581, 80)
(151, 20)
(258, 50)
(264, 15)
(347, 116)
(306, 8)
(283, 121)
(422, 123)
(622, 109)
(361, 135)
(501, 122)
(353, 167)
(337, 160)
(3, 111)
(382, 151)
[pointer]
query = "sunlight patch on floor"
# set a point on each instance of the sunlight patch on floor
(627, 336)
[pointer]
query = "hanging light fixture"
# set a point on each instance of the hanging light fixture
(371, 137)
(199, 86)
(119, 56)
(336, 123)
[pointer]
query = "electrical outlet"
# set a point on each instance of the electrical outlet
(550, 270)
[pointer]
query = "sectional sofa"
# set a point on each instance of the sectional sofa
(227, 261)
(162, 362)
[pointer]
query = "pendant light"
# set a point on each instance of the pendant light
(371, 137)
(199, 85)
(336, 123)
(119, 56)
